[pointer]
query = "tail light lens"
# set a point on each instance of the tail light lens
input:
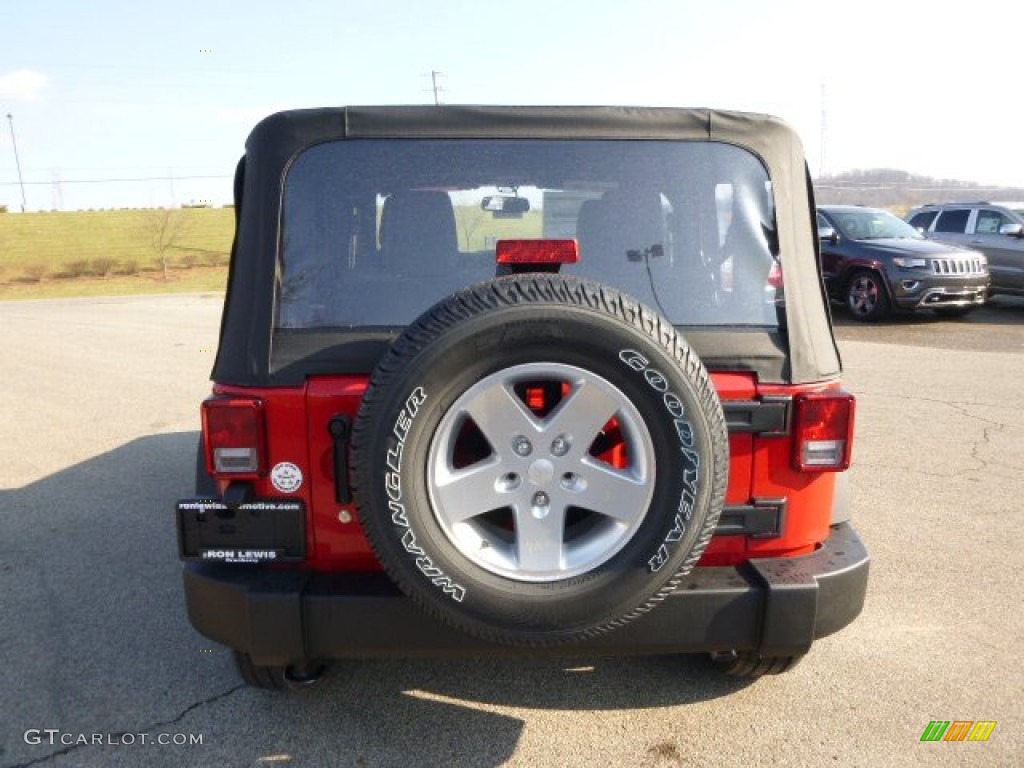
(822, 431)
(235, 436)
(537, 252)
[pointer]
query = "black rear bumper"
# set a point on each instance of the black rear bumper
(775, 606)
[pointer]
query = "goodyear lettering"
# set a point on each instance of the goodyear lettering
(656, 380)
(691, 459)
(685, 432)
(634, 360)
(675, 407)
(690, 475)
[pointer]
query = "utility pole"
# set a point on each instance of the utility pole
(17, 162)
(824, 128)
(437, 88)
(57, 201)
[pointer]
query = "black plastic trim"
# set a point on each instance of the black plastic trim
(763, 519)
(297, 354)
(767, 417)
(774, 606)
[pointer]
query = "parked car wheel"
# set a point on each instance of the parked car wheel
(866, 297)
(557, 460)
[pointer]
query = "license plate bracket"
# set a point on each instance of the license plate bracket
(259, 531)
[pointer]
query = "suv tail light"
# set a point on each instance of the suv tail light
(235, 436)
(822, 431)
(537, 252)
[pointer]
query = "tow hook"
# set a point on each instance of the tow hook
(236, 494)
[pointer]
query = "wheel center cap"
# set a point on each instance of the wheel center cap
(541, 472)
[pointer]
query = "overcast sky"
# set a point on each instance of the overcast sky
(169, 90)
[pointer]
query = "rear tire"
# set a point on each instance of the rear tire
(275, 678)
(751, 665)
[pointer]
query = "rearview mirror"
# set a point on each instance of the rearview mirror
(505, 207)
(1013, 230)
(827, 233)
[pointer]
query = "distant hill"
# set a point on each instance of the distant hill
(120, 242)
(900, 191)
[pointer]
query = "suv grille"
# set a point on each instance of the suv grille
(970, 265)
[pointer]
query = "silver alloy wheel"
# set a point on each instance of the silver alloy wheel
(862, 297)
(540, 505)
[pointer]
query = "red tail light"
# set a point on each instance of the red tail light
(537, 252)
(235, 436)
(775, 276)
(822, 431)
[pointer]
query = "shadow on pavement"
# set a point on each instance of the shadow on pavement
(96, 641)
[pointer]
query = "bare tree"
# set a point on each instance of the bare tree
(166, 228)
(470, 218)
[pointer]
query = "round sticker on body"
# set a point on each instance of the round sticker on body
(286, 477)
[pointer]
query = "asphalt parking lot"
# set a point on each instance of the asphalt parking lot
(99, 416)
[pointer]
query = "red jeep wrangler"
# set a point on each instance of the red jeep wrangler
(554, 379)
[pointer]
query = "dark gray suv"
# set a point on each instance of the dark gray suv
(995, 229)
(873, 262)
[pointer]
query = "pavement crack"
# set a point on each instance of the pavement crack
(145, 729)
(978, 445)
(913, 470)
(963, 408)
(202, 703)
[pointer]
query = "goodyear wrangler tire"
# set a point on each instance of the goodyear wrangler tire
(539, 459)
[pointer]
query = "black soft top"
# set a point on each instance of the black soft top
(804, 351)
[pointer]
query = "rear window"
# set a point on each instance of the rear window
(375, 231)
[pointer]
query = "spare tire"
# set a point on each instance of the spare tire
(539, 459)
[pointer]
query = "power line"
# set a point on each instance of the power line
(110, 181)
(875, 186)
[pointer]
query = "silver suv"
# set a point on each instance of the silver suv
(995, 229)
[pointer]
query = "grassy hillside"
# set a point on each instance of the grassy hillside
(41, 246)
